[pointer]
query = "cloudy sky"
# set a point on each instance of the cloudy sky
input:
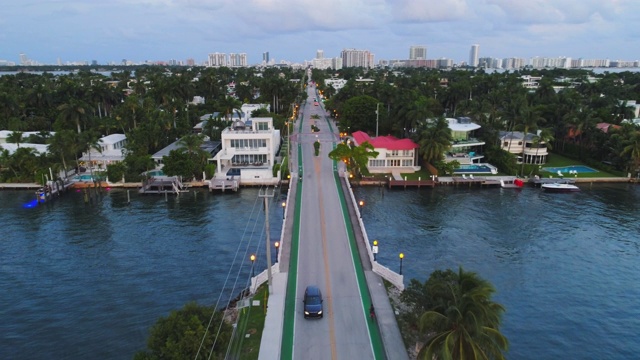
(138, 30)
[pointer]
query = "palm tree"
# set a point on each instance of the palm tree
(434, 139)
(15, 137)
(464, 323)
(73, 112)
(528, 121)
(633, 150)
(63, 144)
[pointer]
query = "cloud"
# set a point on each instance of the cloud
(429, 11)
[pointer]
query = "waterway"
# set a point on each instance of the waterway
(565, 266)
(88, 280)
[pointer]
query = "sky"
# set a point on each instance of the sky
(293, 30)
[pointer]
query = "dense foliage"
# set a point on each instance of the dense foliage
(193, 332)
(151, 105)
(452, 316)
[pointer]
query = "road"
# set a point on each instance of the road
(325, 257)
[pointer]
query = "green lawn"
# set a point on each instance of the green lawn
(251, 322)
(555, 160)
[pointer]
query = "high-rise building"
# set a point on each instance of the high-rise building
(24, 60)
(357, 58)
(217, 59)
(473, 55)
(418, 52)
(319, 54)
(265, 57)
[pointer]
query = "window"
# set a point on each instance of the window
(407, 162)
(262, 125)
(376, 163)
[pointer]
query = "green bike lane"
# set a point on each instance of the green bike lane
(288, 331)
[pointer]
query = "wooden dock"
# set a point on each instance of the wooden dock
(411, 183)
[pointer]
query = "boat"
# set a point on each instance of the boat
(515, 184)
(560, 187)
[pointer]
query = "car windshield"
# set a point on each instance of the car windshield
(313, 300)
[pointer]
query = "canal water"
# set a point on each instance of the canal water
(565, 266)
(88, 280)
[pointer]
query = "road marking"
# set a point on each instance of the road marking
(325, 257)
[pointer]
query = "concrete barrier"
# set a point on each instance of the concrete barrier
(391, 276)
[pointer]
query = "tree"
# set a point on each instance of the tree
(193, 332)
(15, 137)
(434, 139)
(359, 113)
(63, 144)
(356, 157)
(461, 320)
(633, 151)
(73, 112)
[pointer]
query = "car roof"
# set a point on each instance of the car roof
(312, 290)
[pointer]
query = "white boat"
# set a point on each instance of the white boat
(559, 187)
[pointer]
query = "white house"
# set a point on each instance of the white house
(465, 148)
(394, 154)
(249, 151)
(111, 147)
(12, 147)
(516, 142)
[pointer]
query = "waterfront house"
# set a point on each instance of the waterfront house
(465, 148)
(12, 147)
(111, 151)
(249, 152)
(211, 147)
(516, 142)
(394, 154)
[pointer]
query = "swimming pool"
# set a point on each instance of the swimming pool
(580, 169)
(155, 173)
(84, 177)
(476, 169)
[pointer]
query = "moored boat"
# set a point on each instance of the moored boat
(560, 187)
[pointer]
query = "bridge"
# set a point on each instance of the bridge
(324, 243)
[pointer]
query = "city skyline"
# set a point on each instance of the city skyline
(160, 30)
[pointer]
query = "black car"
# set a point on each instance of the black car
(312, 302)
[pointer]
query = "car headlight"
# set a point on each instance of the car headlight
(306, 313)
(320, 312)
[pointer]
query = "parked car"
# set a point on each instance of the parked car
(312, 302)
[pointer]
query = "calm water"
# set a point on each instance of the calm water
(87, 281)
(566, 266)
(82, 281)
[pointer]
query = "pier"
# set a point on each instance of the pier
(224, 184)
(162, 185)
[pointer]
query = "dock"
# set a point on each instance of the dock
(411, 183)
(228, 183)
(163, 185)
(51, 189)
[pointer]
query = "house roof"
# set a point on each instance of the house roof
(604, 127)
(384, 142)
(113, 138)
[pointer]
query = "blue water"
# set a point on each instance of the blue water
(565, 170)
(86, 281)
(565, 267)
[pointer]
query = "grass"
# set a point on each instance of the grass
(555, 160)
(250, 321)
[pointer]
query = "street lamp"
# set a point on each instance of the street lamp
(374, 250)
(277, 245)
(253, 260)
(361, 203)
(401, 257)
(284, 205)
(377, 117)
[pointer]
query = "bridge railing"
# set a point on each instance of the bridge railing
(391, 276)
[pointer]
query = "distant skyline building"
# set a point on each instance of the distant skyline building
(24, 60)
(357, 58)
(217, 59)
(265, 57)
(319, 54)
(418, 52)
(473, 55)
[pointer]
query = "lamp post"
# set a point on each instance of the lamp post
(374, 250)
(401, 257)
(377, 117)
(284, 205)
(277, 245)
(361, 203)
(253, 261)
